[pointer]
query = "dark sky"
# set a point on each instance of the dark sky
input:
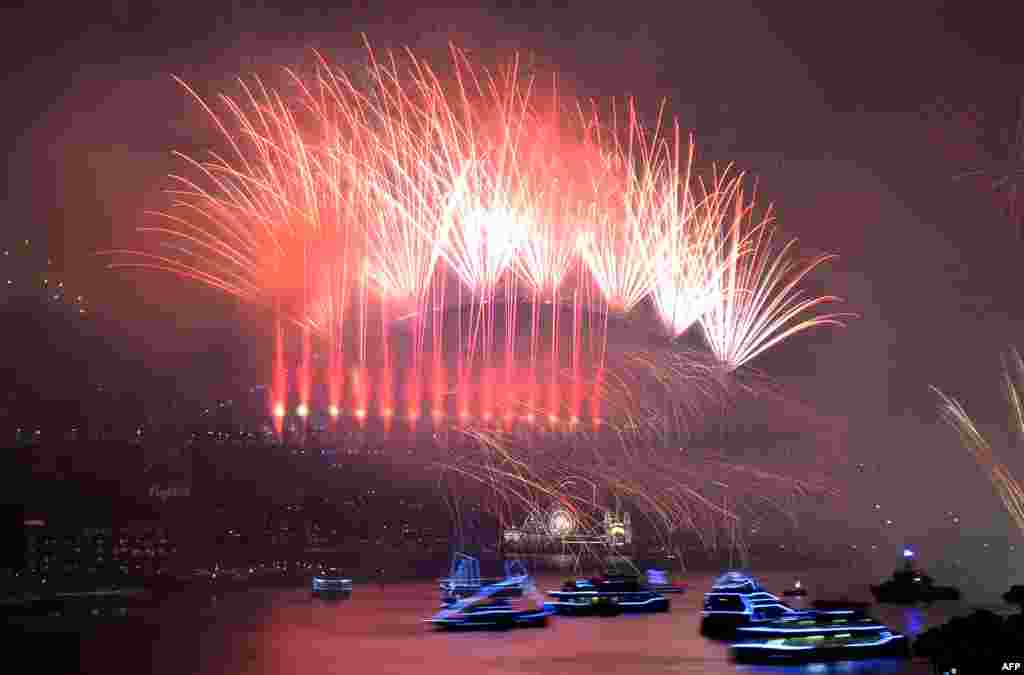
(854, 116)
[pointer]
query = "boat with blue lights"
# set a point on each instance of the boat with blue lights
(658, 581)
(737, 599)
(818, 636)
(464, 580)
(329, 582)
(607, 595)
(509, 603)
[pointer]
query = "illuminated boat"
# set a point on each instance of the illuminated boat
(606, 595)
(821, 636)
(737, 599)
(657, 581)
(330, 582)
(464, 580)
(511, 603)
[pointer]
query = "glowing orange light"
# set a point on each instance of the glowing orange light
(302, 410)
(333, 411)
(360, 413)
(279, 410)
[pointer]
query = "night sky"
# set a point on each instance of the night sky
(853, 116)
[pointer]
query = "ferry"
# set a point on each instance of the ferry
(910, 585)
(737, 599)
(330, 582)
(820, 636)
(607, 595)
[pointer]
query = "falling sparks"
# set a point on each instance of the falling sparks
(1006, 485)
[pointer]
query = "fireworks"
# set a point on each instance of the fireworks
(347, 201)
(1007, 486)
(756, 301)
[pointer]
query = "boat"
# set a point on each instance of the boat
(738, 599)
(464, 580)
(796, 591)
(329, 582)
(607, 595)
(657, 581)
(821, 636)
(509, 603)
(910, 585)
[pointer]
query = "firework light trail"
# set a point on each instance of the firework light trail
(758, 301)
(1006, 485)
(353, 200)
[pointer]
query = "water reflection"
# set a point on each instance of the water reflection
(913, 621)
(380, 629)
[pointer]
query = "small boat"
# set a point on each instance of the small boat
(329, 582)
(737, 599)
(657, 581)
(796, 591)
(606, 596)
(821, 636)
(497, 606)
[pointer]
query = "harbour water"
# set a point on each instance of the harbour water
(380, 629)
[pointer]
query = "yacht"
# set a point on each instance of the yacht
(607, 595)
(818, 636)
(509, 603)
(736, 599)
(464, 580)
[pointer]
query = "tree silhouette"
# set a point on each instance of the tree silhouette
(1015, 596)
(1006, 176)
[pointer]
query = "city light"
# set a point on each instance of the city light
(302, 410)
(333, 411)
(279, 410)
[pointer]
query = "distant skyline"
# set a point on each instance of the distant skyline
(854, 120)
